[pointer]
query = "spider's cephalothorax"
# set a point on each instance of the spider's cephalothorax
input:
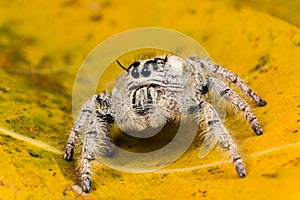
(154, 92)
(151, 93)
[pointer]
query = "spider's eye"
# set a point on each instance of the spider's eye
(135, 72)
(155, 66)
(161, 61)
(151, 63)
(146, 71)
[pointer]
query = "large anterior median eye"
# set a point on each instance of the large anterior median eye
(135, 72)
(146, 71)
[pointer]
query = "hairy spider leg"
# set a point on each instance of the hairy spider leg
(93, 126)
(217, 131)
(213, 69)
(236, 101)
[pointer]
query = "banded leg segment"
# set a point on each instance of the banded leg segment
(88, 155)
(93, 125)
(96, 143)
(213, 69)
(237, 102)
(79, 128)
(216, 130)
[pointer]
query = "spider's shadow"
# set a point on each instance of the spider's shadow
(143, 144)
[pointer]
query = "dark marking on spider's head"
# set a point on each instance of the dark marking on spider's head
(134, 64)
(136, 69)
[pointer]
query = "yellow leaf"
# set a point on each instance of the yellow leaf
(43, 44)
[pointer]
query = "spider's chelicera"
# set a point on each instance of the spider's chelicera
(154, 92)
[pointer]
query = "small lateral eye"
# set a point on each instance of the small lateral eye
(135, 72)
(155, 67)
(161, 60)
(146, 71)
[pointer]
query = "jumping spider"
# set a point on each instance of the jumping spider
(152, 93)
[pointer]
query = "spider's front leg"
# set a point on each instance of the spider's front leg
(79, 127)
(93, 123)
(216, 132)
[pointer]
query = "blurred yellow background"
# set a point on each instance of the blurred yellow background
(42, 45)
